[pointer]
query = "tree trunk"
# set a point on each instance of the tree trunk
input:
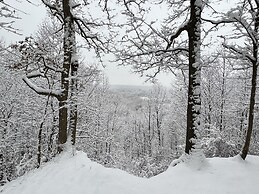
(51, 136)
(158, 126)
(39, 145)
(253, 91)
(67, 46)
(194, 88)
(62, 127)
(221, 124)
(73, 94)
(251, 115)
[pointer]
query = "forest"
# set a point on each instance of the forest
(55, 98)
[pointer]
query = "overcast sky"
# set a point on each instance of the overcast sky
(35, 14)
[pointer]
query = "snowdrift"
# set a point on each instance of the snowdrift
(78, 175)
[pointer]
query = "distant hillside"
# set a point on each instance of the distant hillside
(130, 88)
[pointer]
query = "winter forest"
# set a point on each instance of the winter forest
(55, 98)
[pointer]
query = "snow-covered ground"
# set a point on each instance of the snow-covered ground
(78, 175)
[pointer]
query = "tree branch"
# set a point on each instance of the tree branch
(40, 90)
(177, 33)
(234, 19)
(243, 54)
(53, 8)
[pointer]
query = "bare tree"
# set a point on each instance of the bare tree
(72, 22)
(150, 48)
(245, 19)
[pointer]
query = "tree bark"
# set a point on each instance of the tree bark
(67, 46)
(73, 101)
(73, 90)
(194, 88)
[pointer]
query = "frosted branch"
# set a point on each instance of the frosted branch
(53, 9)
(34, 75)
(40, 90)
(177, 33)
(235, 18)
(243, 54)
(53, 68)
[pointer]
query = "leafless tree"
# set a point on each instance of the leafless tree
(148, 48)
(72, 21)
(245, 19)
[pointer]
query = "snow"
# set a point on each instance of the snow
(68, 174)
(144, 98)
(40, 90)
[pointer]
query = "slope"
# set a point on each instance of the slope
(78, 175)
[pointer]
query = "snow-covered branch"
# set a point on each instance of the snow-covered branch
(60, 70)
(235, 18)
(40, 90)
(35, 74)
(56, 11)
(83, 33)
(177, 33)
(240, 52)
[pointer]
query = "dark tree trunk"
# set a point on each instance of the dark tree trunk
(253, 90)
(62, 127)
(194, 88)
(39, 144)
(158, 125)
(251, 115)
(67, 46)
(73, 95)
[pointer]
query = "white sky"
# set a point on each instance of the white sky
(35, 14)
